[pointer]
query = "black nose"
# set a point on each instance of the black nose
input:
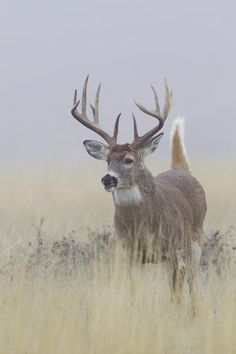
(109, 181)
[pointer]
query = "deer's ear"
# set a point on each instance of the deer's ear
(96, 149)
(150, 146)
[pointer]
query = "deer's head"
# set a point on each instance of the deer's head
(125, 161)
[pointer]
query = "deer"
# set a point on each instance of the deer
(158, 218)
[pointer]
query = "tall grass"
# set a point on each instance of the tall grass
(67, 288)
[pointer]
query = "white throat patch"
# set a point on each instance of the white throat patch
(127, 196)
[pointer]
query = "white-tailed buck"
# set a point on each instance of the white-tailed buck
(157, 218)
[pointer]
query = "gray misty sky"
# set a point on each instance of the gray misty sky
(48, 47)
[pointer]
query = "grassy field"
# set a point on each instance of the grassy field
(66, 287)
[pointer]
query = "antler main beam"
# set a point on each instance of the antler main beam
(93, 125)
(156, 113)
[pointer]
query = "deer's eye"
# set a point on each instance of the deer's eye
(128, 161)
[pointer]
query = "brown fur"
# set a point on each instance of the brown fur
(118, 152)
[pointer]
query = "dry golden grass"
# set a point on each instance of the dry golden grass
(95, 307)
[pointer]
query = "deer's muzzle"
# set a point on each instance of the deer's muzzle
(109, 181)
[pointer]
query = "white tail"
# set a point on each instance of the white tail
(179, 154)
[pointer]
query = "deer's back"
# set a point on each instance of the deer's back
(184, 192)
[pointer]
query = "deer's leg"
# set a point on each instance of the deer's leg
(178, 271)
(194, 274)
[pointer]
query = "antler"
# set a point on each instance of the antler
(93, 125)
(156, 113)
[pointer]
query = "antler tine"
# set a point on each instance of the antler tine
(75, 98)
(84, 98)
(145, 110)
(156, 113)
(135, 127)
(168, 100)
(116, 129)
(93, 125)
(94, 106)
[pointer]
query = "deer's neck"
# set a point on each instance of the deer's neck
(136, 194)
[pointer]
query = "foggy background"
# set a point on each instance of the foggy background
(48, 48)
